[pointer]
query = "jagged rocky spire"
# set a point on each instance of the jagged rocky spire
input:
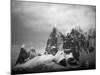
(22, 55)
(54, 41)
(25, 55)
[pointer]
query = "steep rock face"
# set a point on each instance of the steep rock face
(54, 42)
(57, 45)
(32, 53)
(25, 55)
(22, 56)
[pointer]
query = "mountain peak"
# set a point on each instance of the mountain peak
(54, 41)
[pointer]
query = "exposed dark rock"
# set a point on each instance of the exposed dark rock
(63, 62)
(22, 56)
(72, 62)
(25, 55)
(54, 42)
(32, 53)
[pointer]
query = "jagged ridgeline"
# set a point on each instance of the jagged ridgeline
(77, 40)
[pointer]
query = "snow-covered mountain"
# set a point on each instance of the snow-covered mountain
(63, 52)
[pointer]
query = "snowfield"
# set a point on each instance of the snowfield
(36, 61)
(44, 59)
(39, 63)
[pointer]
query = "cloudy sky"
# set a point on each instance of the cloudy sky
(32, 22)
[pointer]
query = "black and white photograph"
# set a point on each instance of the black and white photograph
(52, 37)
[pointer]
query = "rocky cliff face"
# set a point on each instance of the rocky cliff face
(22, 56)
(76, 41)
(54, 42)
(25, 55)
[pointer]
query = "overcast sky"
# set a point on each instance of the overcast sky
(32, 22)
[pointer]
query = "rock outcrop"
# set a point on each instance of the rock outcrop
(54, 42)
(25, 55)
(22, 56)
